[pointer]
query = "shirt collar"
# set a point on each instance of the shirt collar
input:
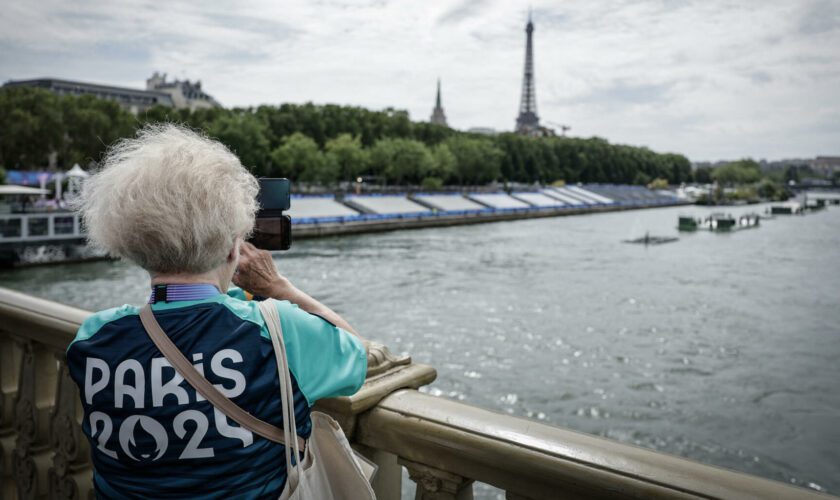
(184, 291)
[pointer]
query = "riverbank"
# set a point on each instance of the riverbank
(320, 230)
(315, 216)
(51, 237)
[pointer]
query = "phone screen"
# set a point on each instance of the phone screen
(274, 195)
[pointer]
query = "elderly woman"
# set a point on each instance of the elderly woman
(180, 206)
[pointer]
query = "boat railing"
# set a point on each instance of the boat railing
(40, 227)
(446, 446)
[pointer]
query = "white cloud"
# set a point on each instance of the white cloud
(709, 79)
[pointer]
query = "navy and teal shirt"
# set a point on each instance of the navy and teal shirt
(153, 436)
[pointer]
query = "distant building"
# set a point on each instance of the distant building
(826, 164)
(134, 100)
(438, 116)
(184, 93)
(176, 94)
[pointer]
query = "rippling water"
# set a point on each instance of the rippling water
(724, 348)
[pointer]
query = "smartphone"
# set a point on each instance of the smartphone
(274, 197)
(273, 228)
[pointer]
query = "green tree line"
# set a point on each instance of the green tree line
(741, 180)
(325, 144)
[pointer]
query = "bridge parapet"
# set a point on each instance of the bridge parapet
(446, 446)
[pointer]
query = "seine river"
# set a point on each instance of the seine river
(724, 348)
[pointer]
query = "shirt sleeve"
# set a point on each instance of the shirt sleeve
(325, 360)
(238, 293)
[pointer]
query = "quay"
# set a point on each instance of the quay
(317, 216)
(445, 445)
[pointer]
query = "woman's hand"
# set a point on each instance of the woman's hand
(257, 273)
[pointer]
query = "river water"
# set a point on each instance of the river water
(724, 348)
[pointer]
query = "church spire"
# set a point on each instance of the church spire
(438, 116)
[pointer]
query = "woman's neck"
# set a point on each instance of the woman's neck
(183, 279)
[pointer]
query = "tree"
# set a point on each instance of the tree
(737, 172)
(641, 179)
(797, 173)
(37, 124)
(703, 175)
(346, 156)
(478, 161)
(401, 160)
(432, 183)
(443, 167)
(203, 118)
(91, 125)
(245, 135)
(319, 172)
(771, 190)
(679, 168)
(299, 158)
(31, 125)
(430, 133)
(159, 113)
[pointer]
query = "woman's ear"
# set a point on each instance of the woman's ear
(233, 256)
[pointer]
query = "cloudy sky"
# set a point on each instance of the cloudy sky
(711, 79)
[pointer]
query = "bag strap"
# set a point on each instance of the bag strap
(204, 387)
(271, 316)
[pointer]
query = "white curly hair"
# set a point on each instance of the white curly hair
(171, 200)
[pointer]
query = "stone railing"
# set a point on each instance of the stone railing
(445, 446)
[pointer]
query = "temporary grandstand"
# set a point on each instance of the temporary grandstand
(632, 195)
(564, 197)
(449, 202)
(386, 204)
(538, 200)
(327, 214)
(310, 209)
(499, 201)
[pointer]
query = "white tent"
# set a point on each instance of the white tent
(75, 177)
(77, 171)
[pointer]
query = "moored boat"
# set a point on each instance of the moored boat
(34, 230)
(687, 223)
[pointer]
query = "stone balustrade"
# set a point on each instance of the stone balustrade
(446, 446)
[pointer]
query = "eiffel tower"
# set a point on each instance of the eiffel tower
(528, 122)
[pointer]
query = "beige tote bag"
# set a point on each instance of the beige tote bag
(330, 469)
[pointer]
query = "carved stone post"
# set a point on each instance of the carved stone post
(69, 476)
(33, 405)
(435, 484)
(387, 483)
(386, 373)
(10, 358)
